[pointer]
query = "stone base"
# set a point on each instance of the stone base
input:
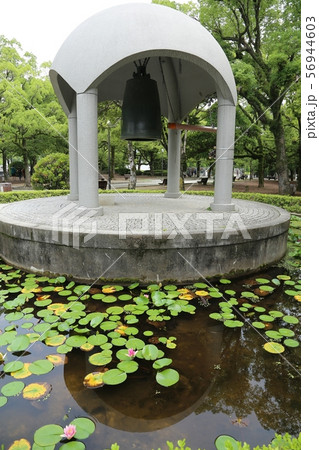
(144, 237)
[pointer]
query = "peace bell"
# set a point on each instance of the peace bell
(141, 111)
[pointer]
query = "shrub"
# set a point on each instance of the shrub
(16, 196)
(51, 172)
(288, 202)
(291, 204)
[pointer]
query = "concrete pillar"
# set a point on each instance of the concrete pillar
(224, 156)
(87, 149)
(173, 164)
(174, 136)
(73, 154)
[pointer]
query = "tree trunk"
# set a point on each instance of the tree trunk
(27, 176)
(131, 159)
(277, 129)
(261, 171)
(183, 161)
(4, 165)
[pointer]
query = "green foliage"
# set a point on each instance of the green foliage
(280, 442)
(51, 172)
(16, 196)
(32, 121)
(290, 203)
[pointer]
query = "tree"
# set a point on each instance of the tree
(262, 40)
(52, 172)
(32, 121)
(131, 159)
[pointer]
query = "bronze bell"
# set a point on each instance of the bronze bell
(141, 111)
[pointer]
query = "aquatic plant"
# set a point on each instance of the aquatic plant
(122, 330)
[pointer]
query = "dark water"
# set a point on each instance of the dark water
(228, 385)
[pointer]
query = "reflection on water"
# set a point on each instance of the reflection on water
(228, 385)
(140, 397)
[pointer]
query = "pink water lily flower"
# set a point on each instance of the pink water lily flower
(131, 353)
(69, 431)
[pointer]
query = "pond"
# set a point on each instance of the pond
(167, 362)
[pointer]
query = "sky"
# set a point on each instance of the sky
(42, 26)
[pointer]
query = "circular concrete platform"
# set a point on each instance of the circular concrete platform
(144, 237)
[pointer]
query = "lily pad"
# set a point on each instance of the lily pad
(13, 388)
(12, 366)
(259, 309)
(200, 285)
(64, 348)
(114, 376)
(119, 342)
(291, 292)
(286, 332)
(93, 380)
(291, 319)
(115, 310)
(128, 366)
(170, 287)
(108, 325)
(24, 372)
(55, 341)
(35, 391)
(167, 377)
(20, 343)
(41, 366)
(125, 297)
(215, 294)
(76, 341)
(150, 352)
(71, 445)
(57, 360)
(48, 435)
(291, 343)
(274, 347)
(99, 359)
(248, 294)
(84, 427)
(163, 362)
(135, 344)
(233, 323)
(266, 288)
(20, 444)
(230, 292)
(266, 318)
(283, 277)
(273, 334)
(226, 442)
(262, 280)
(258, 325)
(97, 339)
(109, 299)
(275, 314)
(3, 400)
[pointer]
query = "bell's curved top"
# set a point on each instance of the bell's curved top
(101, 51)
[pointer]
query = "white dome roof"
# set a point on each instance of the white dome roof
(100, 53)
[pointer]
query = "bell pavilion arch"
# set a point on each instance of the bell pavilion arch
(188, 64)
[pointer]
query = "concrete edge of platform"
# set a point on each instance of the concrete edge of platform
(147, 258)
